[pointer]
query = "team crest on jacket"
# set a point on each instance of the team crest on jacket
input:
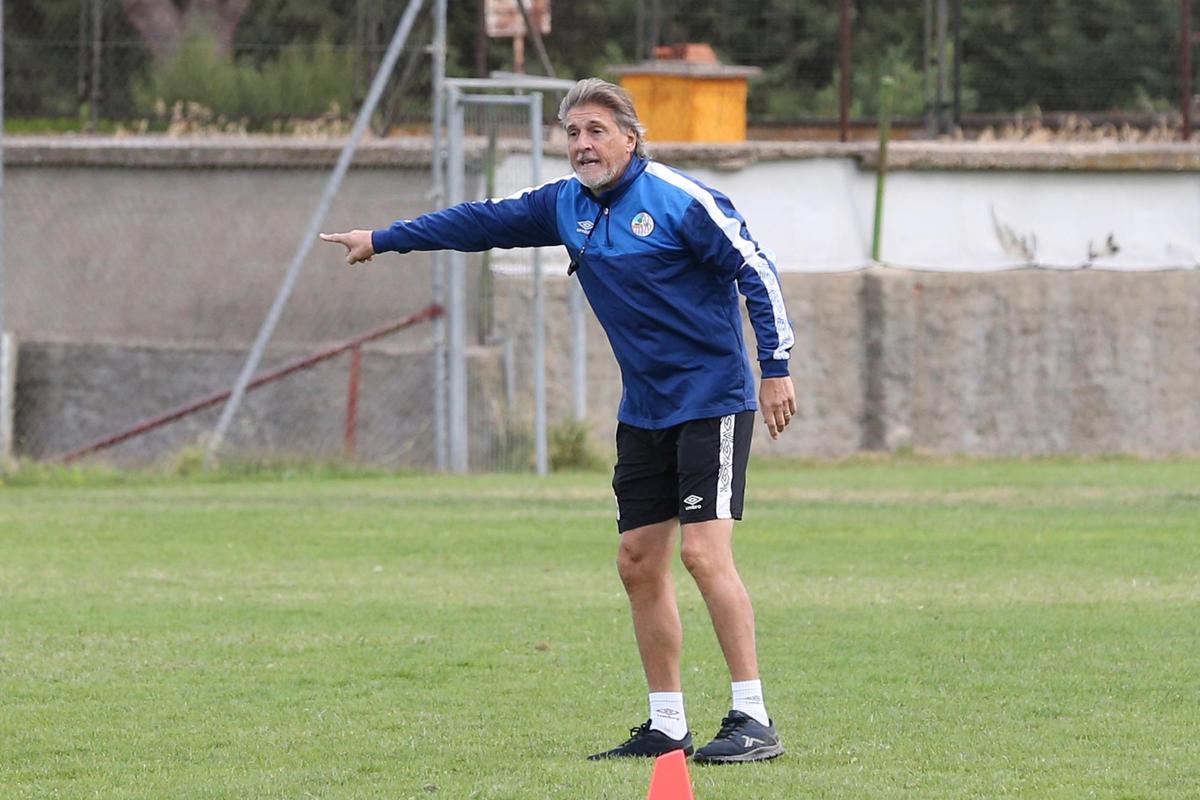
(643, 224)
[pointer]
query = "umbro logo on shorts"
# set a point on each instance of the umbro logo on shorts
(692, 502)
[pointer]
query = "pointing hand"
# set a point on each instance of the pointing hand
(357, 243)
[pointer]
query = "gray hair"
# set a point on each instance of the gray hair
(594, 91)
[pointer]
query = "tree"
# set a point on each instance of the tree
(162, 24)
(1064, 55)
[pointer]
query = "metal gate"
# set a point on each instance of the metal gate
(492, 372)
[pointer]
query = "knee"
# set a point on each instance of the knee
(703, 561)
(706, 560)
(636, 568)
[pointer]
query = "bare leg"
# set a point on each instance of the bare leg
(644, 563)
(707, 553)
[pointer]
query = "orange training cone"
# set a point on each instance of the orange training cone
(670, 779)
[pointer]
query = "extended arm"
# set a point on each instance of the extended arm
(525, 219)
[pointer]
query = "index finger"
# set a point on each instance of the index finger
(772, 425)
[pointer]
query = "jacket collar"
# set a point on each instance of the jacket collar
(637, 165)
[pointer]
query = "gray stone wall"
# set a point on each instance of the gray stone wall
(1036, 362)
(100, 253)
(74, 394)
(1019, 363)
(137, 273)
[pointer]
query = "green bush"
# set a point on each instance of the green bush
(304, 82)
(571, 447)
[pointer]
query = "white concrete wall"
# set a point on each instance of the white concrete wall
(817, 215)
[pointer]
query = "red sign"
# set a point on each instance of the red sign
(504, 18)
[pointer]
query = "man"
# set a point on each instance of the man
(661, 259)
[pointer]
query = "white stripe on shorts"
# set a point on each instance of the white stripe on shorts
(725, 470)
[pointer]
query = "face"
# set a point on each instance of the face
(599, 150)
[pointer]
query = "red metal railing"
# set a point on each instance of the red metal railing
(353, 345)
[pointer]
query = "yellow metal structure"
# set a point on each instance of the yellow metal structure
(689, 102)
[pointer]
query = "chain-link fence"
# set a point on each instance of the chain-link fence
(160, 272)
(298, 65)
(138, 269)
(180, 67)
(139, 319)
(138, 288)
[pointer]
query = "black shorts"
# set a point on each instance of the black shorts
(695, 471)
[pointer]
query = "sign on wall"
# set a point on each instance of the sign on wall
(504, 18)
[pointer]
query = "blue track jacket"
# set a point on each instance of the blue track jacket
(661, 258)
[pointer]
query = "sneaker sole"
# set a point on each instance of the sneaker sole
(687, 752)
(765, 753)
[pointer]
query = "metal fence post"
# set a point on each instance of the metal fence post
(438, 263)
(8, 385)
(578, 350)
(350, 438)
(1185, 67)
(7, 401)
(456, 293)
(539, 299)
(97, 61)
(844, 66)
(943, 13)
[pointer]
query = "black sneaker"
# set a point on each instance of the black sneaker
(741, 738)
(644, 742)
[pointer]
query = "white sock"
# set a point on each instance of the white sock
(666, 714)
(748, 699)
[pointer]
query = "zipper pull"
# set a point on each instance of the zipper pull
(607, 227)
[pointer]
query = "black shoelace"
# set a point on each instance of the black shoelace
(638, 732)
(728, 726)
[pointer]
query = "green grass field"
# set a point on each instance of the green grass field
(927, 630)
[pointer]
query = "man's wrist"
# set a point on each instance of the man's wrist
(379, 242)
(773, 368)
